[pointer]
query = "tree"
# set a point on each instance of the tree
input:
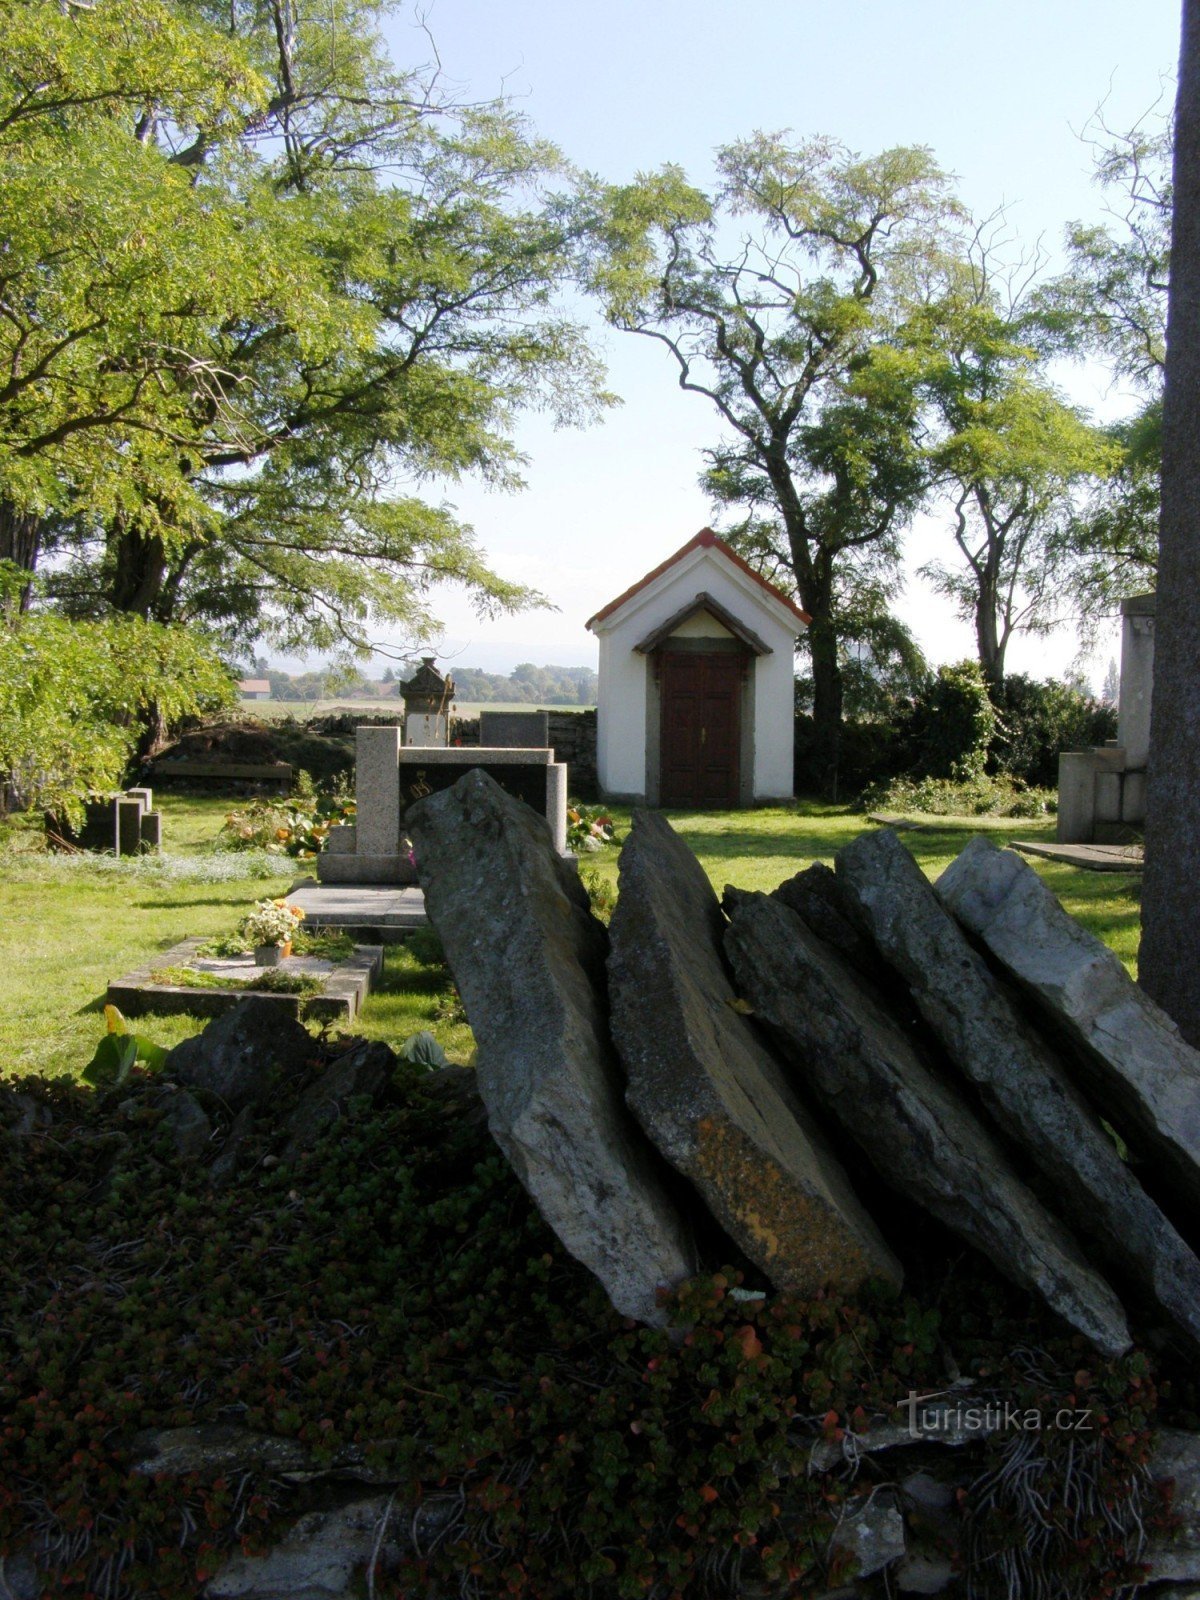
(302, 277)
(1170, 952)
(1112, 303)
(1011, 453)
(782, 302)
(72, 695)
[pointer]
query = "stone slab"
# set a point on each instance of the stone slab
(920, 1136)
(467, 756)
(1136, 1067)
(1020, 1078)
(374, 913)
(343, 866)
(528, 959)
(514, 729)
(346, 985)
(1092, 857)
(707, 1089)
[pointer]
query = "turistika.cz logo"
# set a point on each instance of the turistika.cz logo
(934, 1414)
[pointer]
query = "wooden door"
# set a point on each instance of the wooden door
(700, 729)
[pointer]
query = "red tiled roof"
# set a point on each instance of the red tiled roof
(706, 538)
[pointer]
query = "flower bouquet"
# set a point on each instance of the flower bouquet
(269, 929)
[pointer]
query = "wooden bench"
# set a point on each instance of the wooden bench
(229, 771)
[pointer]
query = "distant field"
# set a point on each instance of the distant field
(303, 709)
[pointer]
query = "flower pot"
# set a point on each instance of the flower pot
(268, 955)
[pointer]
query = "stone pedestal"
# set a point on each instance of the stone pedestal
(1102, 792)
(1076, 797)
(377, 791)
(392, 776)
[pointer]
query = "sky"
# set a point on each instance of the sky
(1001, 93)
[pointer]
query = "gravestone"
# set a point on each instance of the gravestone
(514, 730)
(392, 776)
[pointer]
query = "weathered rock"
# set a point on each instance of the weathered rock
(243, 1055)
(220, 1448)
(322, 1556)
(528, 959)
(710, 1093)
(182, 1115)
(922, 1574)
(1020, 1078)
(1143, 1076)
(816, 896)
(1176, 1557)
(213, 1448)
(919, 1135)
(23, 1115)
(362, 1071)
(872, 1532)
(19, 1578)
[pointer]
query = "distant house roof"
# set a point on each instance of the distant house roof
(255, 686)
(705, 539)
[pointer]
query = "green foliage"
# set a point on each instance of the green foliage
(297, 826)
(256, 277)
(267, 980)
(1036, 721)
(589, 828)
(423, 1050)
(72, 694)
(1112, 304)
(981, 796)
(601, 892)
(393, 1295)
(1012, 455)
(953, 724)
(119, 1051)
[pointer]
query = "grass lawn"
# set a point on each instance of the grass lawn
(69, 926)
(758, 849)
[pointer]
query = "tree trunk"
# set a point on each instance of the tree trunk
(1170, 954)
(20, 543)
(987, 635)
(827, 701)
(139, 571)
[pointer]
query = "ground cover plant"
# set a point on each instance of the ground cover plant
(390, 1300)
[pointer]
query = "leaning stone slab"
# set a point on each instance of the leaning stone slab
(1022, 1081)
(528, 959)
(1143, 1076)
(817, 898)
(710, 1094)
(919, 1136)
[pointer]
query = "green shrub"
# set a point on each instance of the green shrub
(943, 797)
(952, 725)
(601, 892)
(295, 826)
(1035, 722)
